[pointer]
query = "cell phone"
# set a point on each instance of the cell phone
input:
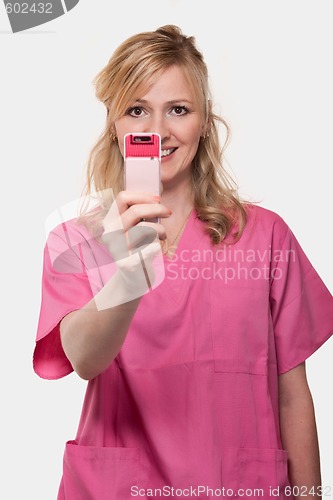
(142, 163)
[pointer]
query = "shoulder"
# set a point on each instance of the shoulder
(264, 215)
(68, 233)
(66, 246)
(261, 218)
(71, 226)
(263, 227)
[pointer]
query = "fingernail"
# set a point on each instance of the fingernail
(170, 211)
(157, 198)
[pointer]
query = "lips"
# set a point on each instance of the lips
(167, 152)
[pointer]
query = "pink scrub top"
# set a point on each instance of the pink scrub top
(189, 407)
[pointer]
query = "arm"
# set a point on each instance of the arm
(91, 337)
(298, 431)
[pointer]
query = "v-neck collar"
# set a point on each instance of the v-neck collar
(192, 238)
(181, 240)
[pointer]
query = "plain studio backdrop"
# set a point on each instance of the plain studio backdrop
(270, 70)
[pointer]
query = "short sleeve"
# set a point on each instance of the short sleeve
(65, 288)
(301, 304)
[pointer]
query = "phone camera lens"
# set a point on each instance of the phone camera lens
(142, 138)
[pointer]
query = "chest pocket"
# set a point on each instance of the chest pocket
(239, 327)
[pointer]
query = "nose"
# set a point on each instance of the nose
(159, 125)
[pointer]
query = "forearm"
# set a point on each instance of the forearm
(299, 438)
(92, 336)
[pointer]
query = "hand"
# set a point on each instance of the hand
(133, 243)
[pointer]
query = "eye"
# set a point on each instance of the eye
(135, 111)
(179, 110)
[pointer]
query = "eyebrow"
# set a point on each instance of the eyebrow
(174, 101)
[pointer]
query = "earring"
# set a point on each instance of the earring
(114, 138)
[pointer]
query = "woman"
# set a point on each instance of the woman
(197, 385)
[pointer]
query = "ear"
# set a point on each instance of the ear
(205, 129)
(206, 126)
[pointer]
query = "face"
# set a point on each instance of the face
(168, 109)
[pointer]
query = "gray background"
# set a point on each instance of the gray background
(270, 71)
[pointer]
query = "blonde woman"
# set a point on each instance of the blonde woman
(197, 383)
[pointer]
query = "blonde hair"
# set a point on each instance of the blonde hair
(130, 72)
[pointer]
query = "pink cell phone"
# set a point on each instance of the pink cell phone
(142, 163)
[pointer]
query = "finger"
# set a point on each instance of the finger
(125, 199)
(160, 230)
(136, 213)
(117, 244)
(140, 236)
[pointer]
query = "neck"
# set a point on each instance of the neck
(181, 203)
(179, 200)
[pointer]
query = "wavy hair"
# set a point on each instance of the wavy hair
(132, 69)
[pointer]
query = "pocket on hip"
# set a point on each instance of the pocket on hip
(99, 473)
